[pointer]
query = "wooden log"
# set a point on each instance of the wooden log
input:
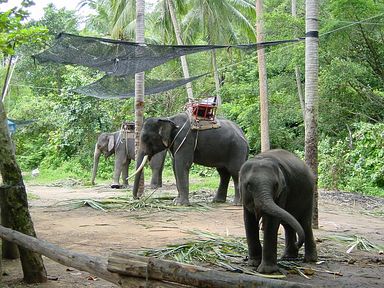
(164, 270)
(136, 282)
(94, 265)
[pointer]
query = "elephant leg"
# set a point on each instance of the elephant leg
(116, 173)
(291, 251)
(157, 165)
(181, 170)
(269, 258)
(237, 199)
(251, 223)
(124, 173)
(221, 194)
(310, 252)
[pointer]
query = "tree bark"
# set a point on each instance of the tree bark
(164, 270)
(311, 95)
(94, 265)
(9, 250)
(8, 77)
(139, 86)
(264, 111)
(14, 201)
(297, 68)
(183, 59)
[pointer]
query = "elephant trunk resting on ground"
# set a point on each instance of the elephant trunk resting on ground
(124, 150)
(277, 186)
(224, 148)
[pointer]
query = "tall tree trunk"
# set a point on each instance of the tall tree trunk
(264, 122)
(14, 203)
(8, 76)
(297, 68)
(179, 40)
(311, 94)
(216, 76)
(139, 86)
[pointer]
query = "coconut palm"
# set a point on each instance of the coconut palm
(220, 22)
(311, 92)
(166, 23)
(264, 111)
(114, 17)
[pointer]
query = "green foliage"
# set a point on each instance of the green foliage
(14, 33)
(351, 94)
(355, 163)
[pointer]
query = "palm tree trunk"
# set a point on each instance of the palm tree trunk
(311, 94)
(297, 69)
(179, 40)
(216, 75)
(264, 124)
(139, 85)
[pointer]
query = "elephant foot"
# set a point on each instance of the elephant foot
(155, 185)
(181, 201)
(267, 268)
(115, 186)
(310, 257)
(254, 262)
(219, 200)
(290, 255)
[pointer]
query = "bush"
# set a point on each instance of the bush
(355, 164)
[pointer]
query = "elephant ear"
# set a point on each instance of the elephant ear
(165, 130)
(111, 142)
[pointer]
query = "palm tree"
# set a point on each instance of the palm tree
(219, 22)
(114, 17)
(139, 85)
(264, 122)
(311, 93)
(297, 69)
(183, 59)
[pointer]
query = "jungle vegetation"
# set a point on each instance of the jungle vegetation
(60, 141)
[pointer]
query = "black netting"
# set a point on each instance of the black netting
(124, 86)
(121, 57)
(112, 56)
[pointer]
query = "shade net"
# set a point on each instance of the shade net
(124, 86)
(124, 58)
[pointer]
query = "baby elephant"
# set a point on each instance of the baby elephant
(277, 186)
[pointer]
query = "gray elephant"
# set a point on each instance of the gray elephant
(122, 145)
(277, 186)
(224, 148)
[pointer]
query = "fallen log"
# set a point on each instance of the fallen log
(196, 276)
(95, 265)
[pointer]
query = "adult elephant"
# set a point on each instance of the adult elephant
(123, 147)
(224, 148)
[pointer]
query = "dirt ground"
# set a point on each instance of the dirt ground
(98, 233)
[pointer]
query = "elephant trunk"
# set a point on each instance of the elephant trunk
(269, 207)
(141, 160)
(96, 157)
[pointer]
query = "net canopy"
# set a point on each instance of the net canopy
(124, 86)
(125, 58)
